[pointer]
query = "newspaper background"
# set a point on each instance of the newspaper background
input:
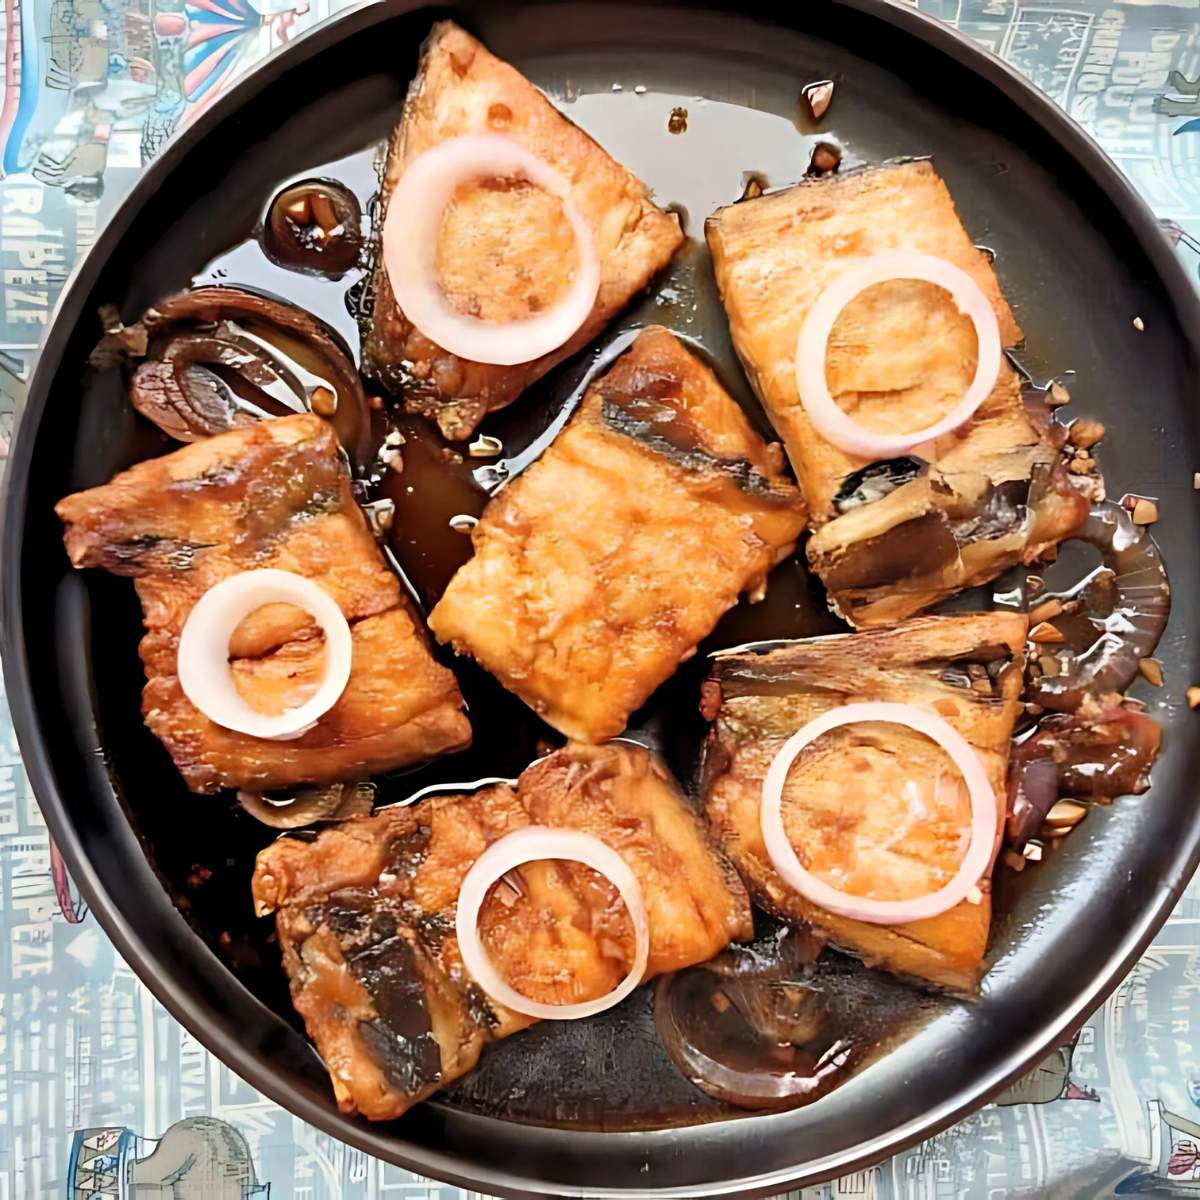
(100, 1090)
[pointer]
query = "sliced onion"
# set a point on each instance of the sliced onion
(203, 661)
(533, 844)
(410, 239)
(882, 912)
(830, 421)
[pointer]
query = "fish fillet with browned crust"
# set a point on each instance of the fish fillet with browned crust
(598, 570)
(275, 494)
(890, 537)
(875, 809)
(505, 250)
(365, 916)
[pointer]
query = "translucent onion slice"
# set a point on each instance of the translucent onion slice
(203, 661)
(410, 239)
(830, 421)
(883, 912)
(533, 844)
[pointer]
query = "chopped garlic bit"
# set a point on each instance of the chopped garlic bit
(819, 96)
(1085, 433)
(1045, 632)
(485, 446)
(1046, 611)
(1145, 512)
(1014, 860)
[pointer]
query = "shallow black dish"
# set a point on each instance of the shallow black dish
(1080, 258)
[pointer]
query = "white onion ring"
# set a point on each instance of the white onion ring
(410, 238)
(203, 659)
(882, 912)
(830, 421)
(532, 844)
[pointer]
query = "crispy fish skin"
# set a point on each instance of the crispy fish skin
(758, 699)
(462, 88)
(365, 916)
(275, 494)
(598, 570)
(994, 492)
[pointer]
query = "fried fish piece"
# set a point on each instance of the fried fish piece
(876, 809)
(275, 494)
(598, 570)
(365, 916)
(461, 88)
(890, 537)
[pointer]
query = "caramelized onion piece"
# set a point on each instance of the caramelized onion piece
(1127, 600)
(748, 1042)
(1032, 793)
(213, 358)
(1103, 751)
(314, 226)
(769, 1026)
(336, 802)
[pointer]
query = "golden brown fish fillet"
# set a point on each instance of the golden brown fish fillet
(275, 494)
(461, 88)
(890, 537)
(598, 570)
(875, 809)
(365, 915)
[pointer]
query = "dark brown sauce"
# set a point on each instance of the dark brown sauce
(611, 1071)
(435, 483)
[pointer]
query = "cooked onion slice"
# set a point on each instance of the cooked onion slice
(410, 238)
(203, 663)
(861, 908)
(830, 421)
(534, 844)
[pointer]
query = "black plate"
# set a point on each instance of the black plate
(1079, 256)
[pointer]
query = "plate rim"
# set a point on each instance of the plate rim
(1184, 299)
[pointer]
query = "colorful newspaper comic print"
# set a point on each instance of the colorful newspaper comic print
(102, 1094)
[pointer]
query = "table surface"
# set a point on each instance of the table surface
(99, 1086)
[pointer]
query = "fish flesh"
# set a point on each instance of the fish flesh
(869, 806)
(365, 915)
(274, 494)
(461, 88)
(891, 537)
(601, 567)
